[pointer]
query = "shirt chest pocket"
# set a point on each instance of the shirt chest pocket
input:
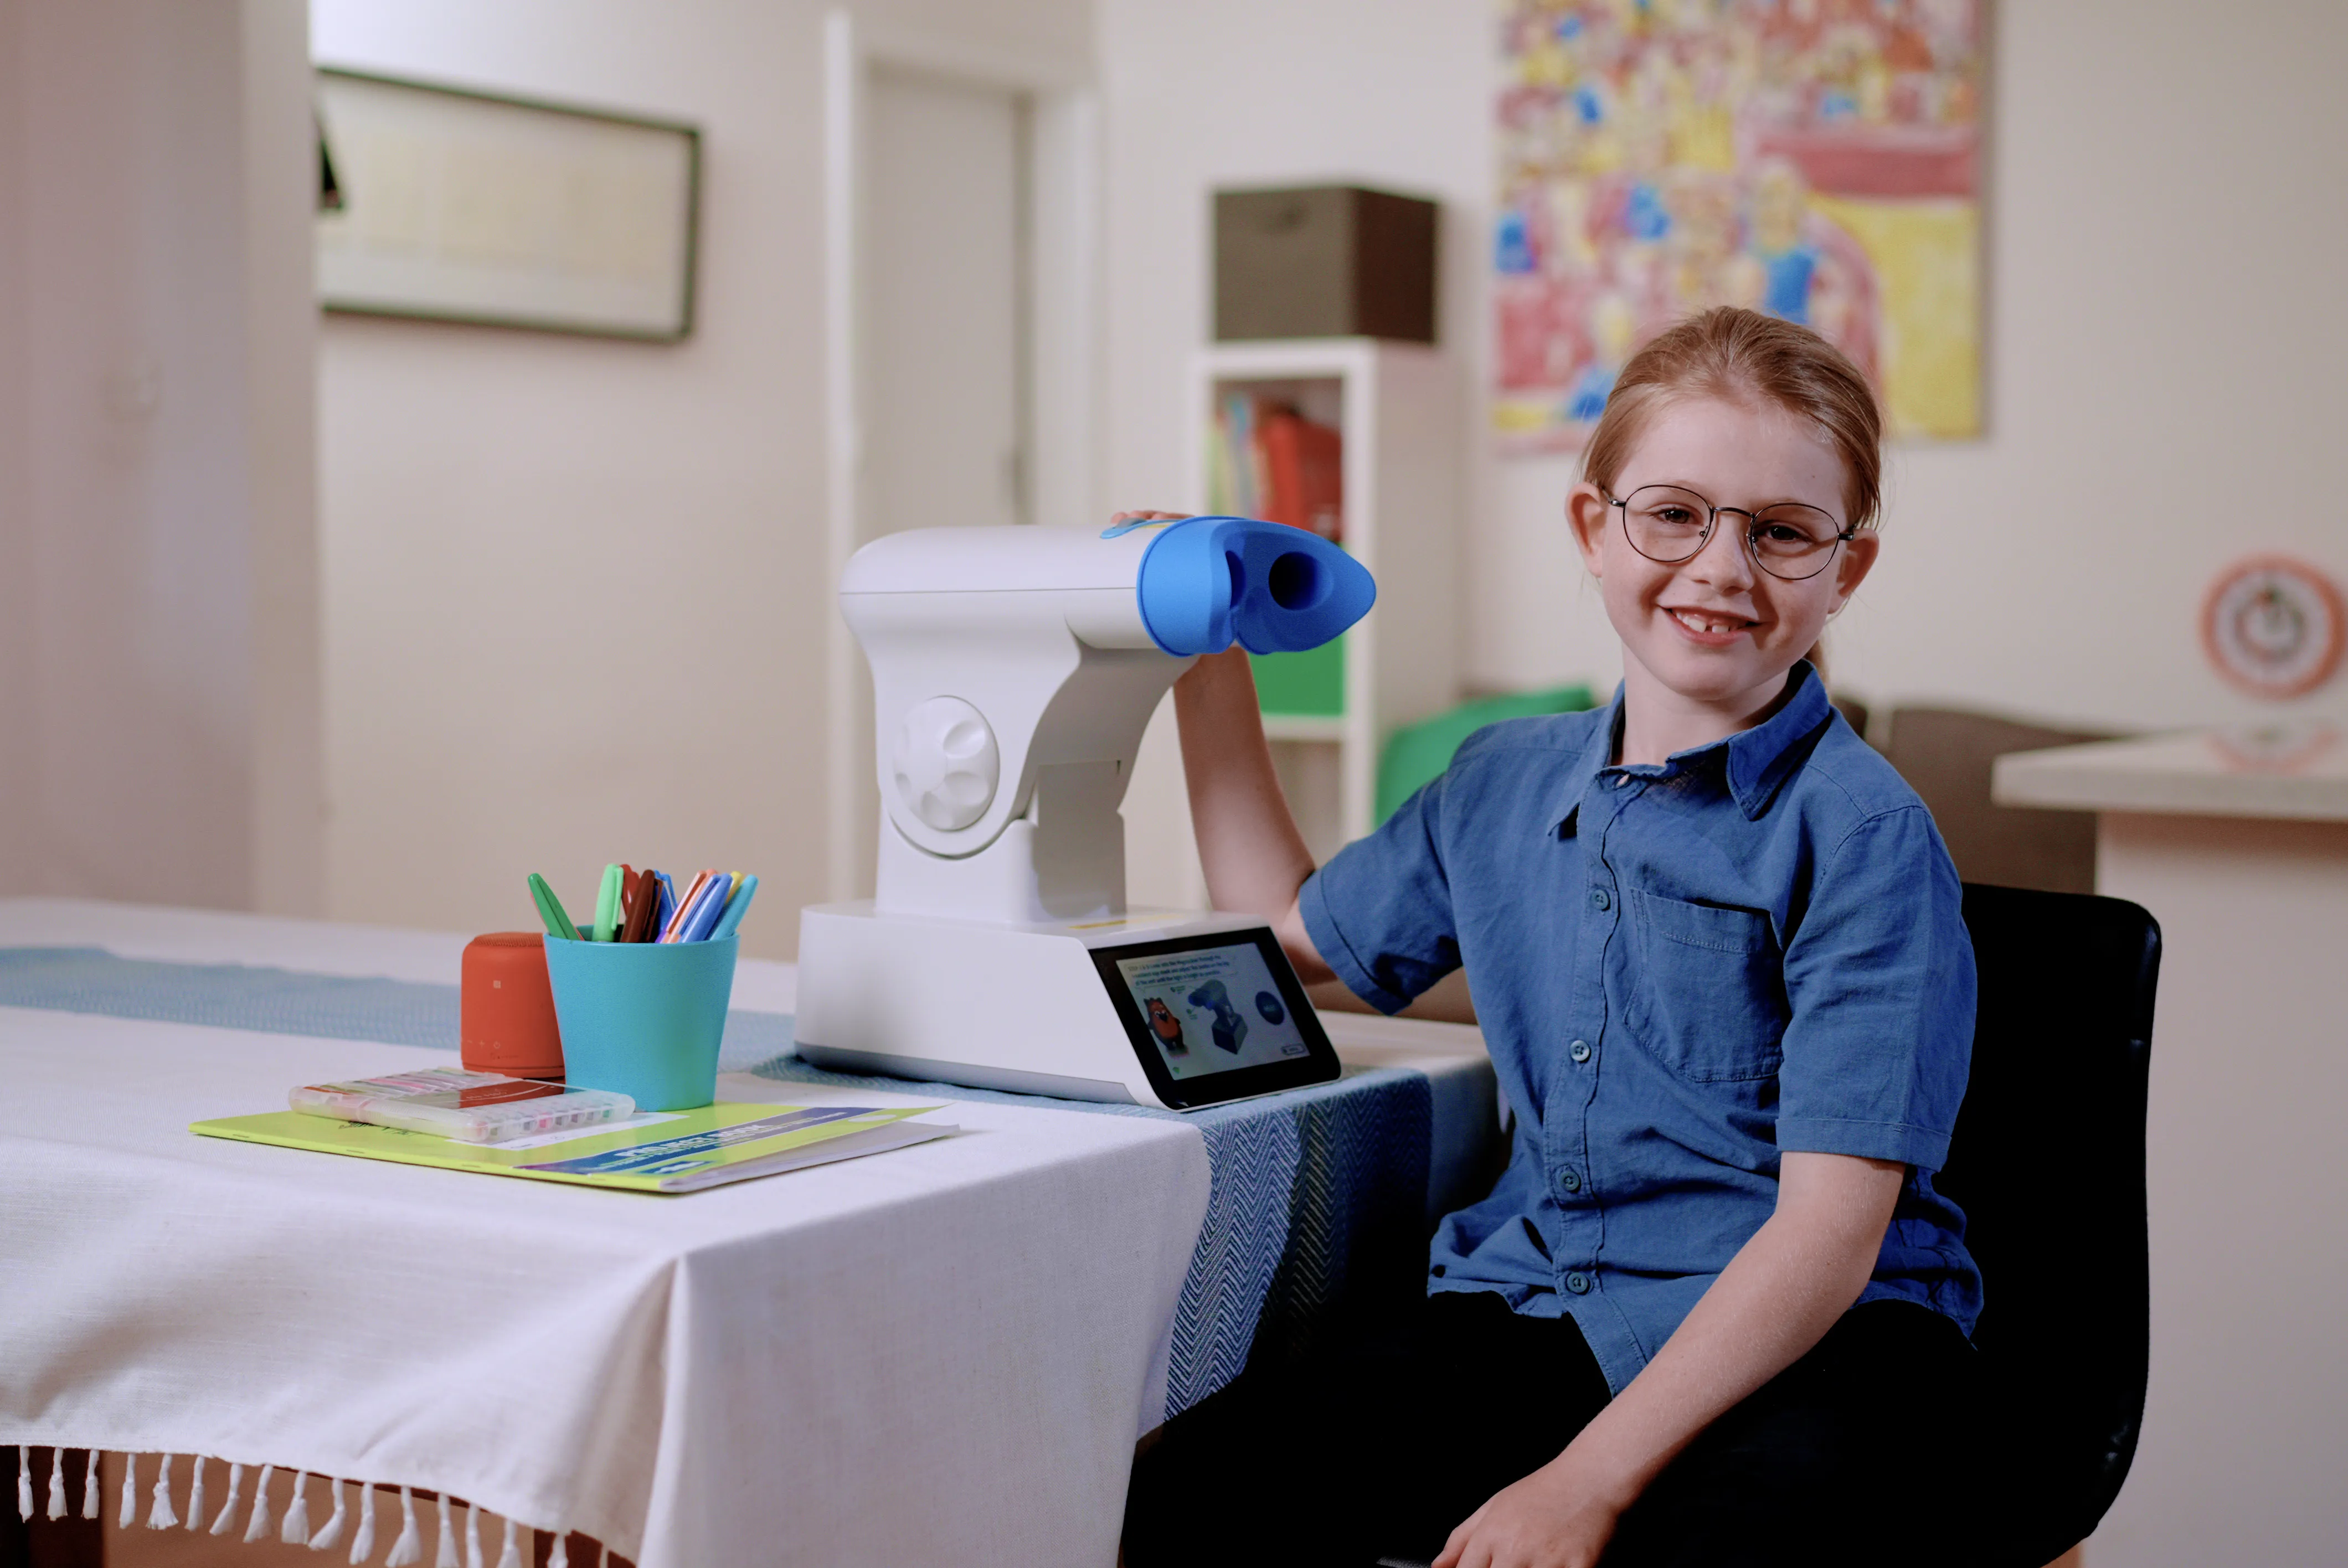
(1709, 994)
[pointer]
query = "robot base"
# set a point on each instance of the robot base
(1021, 1008)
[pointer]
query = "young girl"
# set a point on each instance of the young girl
(1714, 1312)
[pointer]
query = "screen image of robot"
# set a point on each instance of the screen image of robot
(1213, 1009)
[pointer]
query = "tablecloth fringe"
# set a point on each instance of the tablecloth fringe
(408, 1548)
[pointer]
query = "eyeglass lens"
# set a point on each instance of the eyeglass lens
(1669, 525)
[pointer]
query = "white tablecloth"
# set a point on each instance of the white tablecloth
(938, 1355)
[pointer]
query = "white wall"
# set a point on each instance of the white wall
(287, 805)
(499, 508)
(19, 709)
(155, 376)
(2164, 334)
(2156, 293)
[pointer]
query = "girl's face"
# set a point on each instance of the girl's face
(1715, 632)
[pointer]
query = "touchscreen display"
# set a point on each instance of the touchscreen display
(1212, 1010)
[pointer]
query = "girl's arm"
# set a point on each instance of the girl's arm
(1255, 859)
(1777, 1299)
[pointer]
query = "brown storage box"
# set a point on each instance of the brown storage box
(1331, 261)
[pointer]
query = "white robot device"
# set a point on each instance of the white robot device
(1014, 670)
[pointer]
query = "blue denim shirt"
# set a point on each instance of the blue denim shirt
(1682, 970)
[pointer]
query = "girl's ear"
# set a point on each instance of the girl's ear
(1586, 513)
(1858, 558)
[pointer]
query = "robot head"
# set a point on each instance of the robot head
(1014, 670)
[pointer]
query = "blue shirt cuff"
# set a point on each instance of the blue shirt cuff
(1312, 904)
(1919, 1146)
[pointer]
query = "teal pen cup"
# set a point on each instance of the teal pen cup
(644, 1018)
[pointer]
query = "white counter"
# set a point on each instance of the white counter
(2237, 841)
(2297, 773)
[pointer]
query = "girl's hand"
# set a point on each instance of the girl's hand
(1561, 1516)
(1148, 517)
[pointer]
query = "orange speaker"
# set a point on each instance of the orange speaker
(507, 1008)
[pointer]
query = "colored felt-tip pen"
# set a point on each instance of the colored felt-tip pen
(736, 908)
(607, 904)
(707, 911)
(551, 911)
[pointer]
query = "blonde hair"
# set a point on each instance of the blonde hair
(1742, 356)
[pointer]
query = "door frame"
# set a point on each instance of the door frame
(1061, 329)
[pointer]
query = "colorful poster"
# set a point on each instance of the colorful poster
(1818, 159)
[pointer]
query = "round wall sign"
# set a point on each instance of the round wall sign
(2273, 626)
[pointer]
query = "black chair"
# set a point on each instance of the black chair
(2048, 1163)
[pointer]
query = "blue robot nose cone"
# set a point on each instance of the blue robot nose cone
(1208, 582)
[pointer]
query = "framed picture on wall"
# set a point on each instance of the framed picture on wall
(461, 206)
(1820, 163)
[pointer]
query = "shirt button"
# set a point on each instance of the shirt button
(1569, 1179)
(1579, 1050)
(1578, 1283)
(1598, 897)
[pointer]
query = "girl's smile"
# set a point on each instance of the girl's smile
(1708, 629)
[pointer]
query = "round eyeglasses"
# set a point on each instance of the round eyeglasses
(1668, 525)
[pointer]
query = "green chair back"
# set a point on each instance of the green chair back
(1416, 755)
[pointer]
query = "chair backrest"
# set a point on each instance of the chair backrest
(1946, 755)
(2048, 1163)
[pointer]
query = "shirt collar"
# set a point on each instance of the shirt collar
(1575, 781)
(1759, 761)
(1762, 758)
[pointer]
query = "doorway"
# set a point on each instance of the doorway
(947, 228)
(959, 390)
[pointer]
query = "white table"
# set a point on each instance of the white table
(938, 1355)
(2237, 844)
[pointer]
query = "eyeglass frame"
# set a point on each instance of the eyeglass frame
(1752, 521)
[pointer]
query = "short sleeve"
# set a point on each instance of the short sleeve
(1380, 911)
(1879, 974)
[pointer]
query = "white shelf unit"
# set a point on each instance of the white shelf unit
(1397, 408)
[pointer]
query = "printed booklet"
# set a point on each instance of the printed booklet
(650, 1151)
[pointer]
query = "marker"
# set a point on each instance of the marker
(664, 908)
(550, 910)
(675, 909)
(644, 902)
(627, 901)
(702, 883)
(736, 908)
(607, 905)
(707, 910)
